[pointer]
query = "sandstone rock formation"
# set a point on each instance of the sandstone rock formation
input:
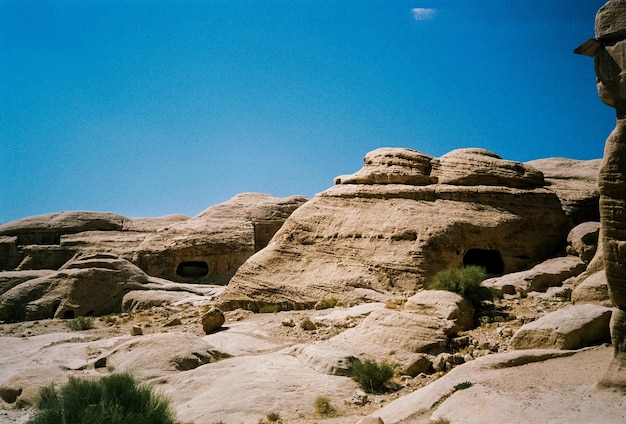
(443, 304)
(370, 231)
(92, 285)
(550, 273)
(211, 246)
(575, 182)
(573, 327)
(593, 289)
(609, 51)
(207, 248)
(583, 240)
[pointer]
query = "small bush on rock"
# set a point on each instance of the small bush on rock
(324, 408)
(371, 376)
(465, 282)
(80, 323)
(114, 399)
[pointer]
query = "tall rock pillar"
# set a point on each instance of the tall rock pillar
(609, 52)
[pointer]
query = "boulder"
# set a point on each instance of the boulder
(593, 289)
(388, 237)
(392, 166)
(212, 320)
(443, 304)
(159, 354)
(481, 167)
(550, 273)
(575, 182)
(386, 330)
(324, 358)
(10, 279)
(573, 327)
(93, 285)
(582, 240)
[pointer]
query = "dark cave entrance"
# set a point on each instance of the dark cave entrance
(192, 269)
(488, 259)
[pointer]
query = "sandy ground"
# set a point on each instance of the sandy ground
(559, 390)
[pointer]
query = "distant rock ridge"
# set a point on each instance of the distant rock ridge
(396, 222)
(206, 248)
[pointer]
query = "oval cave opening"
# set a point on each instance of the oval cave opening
(192, 269)
(488, 259)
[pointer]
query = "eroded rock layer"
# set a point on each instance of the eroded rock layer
(362, 233)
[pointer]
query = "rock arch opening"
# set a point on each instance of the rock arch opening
(192, 269)
(488, 259)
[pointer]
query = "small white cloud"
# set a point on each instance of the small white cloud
(422, 13)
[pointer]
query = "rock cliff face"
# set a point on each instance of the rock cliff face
(392, 225)
(211, 246)
(207, 248)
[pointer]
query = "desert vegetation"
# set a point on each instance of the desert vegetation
(465, 282)
(113, 399)
(372, 376)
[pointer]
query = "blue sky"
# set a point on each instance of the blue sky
(153, 107)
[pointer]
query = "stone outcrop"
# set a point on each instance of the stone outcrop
(550, 273)
(593, 289)
(583, 240)
(370, 232)
(443, 304)
(212, 245)
(473, 167)
(609, 51)
(160, 354)
(396, 236)
(575, 182)
(92, 285)
(206, 248)
(573, 327)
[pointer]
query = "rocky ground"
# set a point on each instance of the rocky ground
(259, 377)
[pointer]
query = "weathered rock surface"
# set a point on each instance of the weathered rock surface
(593, 289)
(387, 330)
(212, 320)
(324, 358)
(92, 285)
(212, 245)
(539, 278)
(481, 167)
(582, 240)
(568, 328)
(160, 354)
(443, 304)
(576, 184)
(397, 236)
(392, 166)
(207, 248)
(533, 386)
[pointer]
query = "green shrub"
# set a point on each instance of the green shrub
(114, 399)
(464, 385)
(323, 407)
(80, 323)
(440, 421)
(272, 417)
(371, 375)
(328, 302)
(463, 281)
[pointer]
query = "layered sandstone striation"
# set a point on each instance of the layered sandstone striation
(392, 225)
(206, 248)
